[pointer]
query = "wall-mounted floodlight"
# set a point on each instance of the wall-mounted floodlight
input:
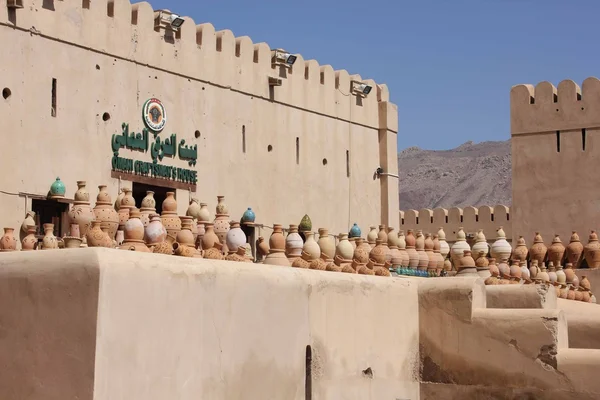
(165, 19)
(360, 88)
(14, 3)
(281, 57)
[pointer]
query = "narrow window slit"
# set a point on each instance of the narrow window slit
(558, 141)
(583, 139)
(53, 110)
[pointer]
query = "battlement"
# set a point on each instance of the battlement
(546, 108)
(126, 32)
(470, 218)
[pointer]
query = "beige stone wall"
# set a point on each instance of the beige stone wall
(469, 218)
(555, 192)
(110, 324)
(109, 59)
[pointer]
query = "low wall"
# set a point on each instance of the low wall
(107, 324)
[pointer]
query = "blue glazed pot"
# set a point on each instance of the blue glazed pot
(354, 231)
(248, 216)
(58, 188)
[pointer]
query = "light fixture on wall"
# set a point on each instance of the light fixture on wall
(274, 81)
(14, 3)
(281, 57)
(379, 172)
(165, 19)
(360, 88)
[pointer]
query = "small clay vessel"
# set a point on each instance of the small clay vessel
(556, 251)
(574, 250)
(538, 250)
(521, 251)
(592, 251)
(8, 242)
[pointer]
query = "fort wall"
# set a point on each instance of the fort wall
(555, 152)
(74, 71)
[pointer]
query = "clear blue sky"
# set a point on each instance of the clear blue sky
(449, 65)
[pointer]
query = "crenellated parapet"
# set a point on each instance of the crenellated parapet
(128, 33)
(546, 108)
(451, 219)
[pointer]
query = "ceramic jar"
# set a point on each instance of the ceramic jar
(405, 260)
(311, 247)
(95, 236)
(72, 242)
(193, 209)
(204, 213)
(185, 236)
(248, 217)
(569, 273)
(293, 243)
(82, 213)
(458, 248)
(556, 251)
(134, 232)
(521, 251)
(221, 222)
(574, 250)
(361, 253)
(413, 256)
(467, 264)
(561, 277)
(344, 248)
(538, 249)
(444, 246)
(379, 252)
(104, 211)
(148, 208)
(433, 260)
(438, 253)
(235, 238)
(57, 189)
(8, 242)
(49, 242)
(592, 251)
(262, 247)
(326, 243)
(182, 250)
(276, 254)
(382, 234)
(28, 221)
(504, 268)
(30, 241)
(210, 237)
(169, 217)
(372, 236)
(355, 231)
(480, 244)
(420, 248)
(501, 248)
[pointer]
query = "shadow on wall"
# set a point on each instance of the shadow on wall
(469, 218)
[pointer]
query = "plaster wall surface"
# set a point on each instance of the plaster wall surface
(555, 153)
(109, 324)
(306, 147)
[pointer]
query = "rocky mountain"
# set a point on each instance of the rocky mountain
(471, 174)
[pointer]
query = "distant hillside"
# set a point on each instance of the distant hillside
(471, 174)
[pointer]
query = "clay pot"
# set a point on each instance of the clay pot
(238, 256)
(214, 253)
(561, 277)
(467, 264)
(480, 244)
(163, 248)
(107, 241)
(82, 213)
(104, 212)
(221, 224)
(193, 209)
(134, 232)
(538, 249)
(574, 250)
(493, 268)
(515, 270)
(210, 237)
(592, 251)
(382, 234)
(361, 254)
(221, 206)
(311, 247)
(293, 243)
(320, 263)
(524, 271)
(420, 248)
(379, 252)
(262, 246)
(235, 238)
(303, 261)
(413, 256)
(578, 295)
(57, 189)
(372, 236)
(201, 231)
(503, 267)
(204, 213)
(155, 232)
(169, 217)
(119, 198)
(500, 248)
(277, 240)
(49, 242)
(95, 236)
(120, 237)
(404, 258)
(305, 224)
(444, 246)
(148, 208)
(248, 217)
(585, 283)
(185, 237)
(521, 251)
(344, 249)
(552, 272)
(556, 251)
(277, 256)
(123, 217)
(8, 242)
(182, 250)
(543, 274)
(72, 242)
(354, 231)
(326, 243)
(534, 270)
(458, 248)
(28, 221)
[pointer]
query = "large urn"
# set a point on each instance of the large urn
(413, 256)
(169, 217)
(592, 251)
(574, 250)
(221, 222)
(82, 213)
(501, 248)
(459, 247)
(326, 243)
(235, 238)
(556, 251)
(480, 244)
(148, 207)
(134, 233)
(311, 247)
(444, 246)
(276, 254)
(521, 251)
(293, 243)
(105, 212)
(538, 249)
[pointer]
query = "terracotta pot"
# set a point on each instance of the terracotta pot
(494, 271)
(344, 249)
(592, 251)
(8, 242)
(561, 277)
(148, 208)
(277, 257)
(210, 237)
(82, 213)
(235, 238)
(95, 236)
(293, 243)
(524, 271)
(382, 234)
(82, 193)
(303, 261)
(169, 217)
(28, 221)
(221, 226)
(134, 233)
(262, 246)
(105, 213)
(163, 248)
(214, 253)
(480, 244)
(444, 246)
(372, 236)
(204, 214)
(556, 251)
(503, 267)
(458, 248)
(193, 210)
(538, 249)
(155, 232)
(185, 237)
(543, 274)
(120, 237)
(49, 242)
(585, 283)
(183, 250)
(501, 248)
(107, 241)
(221, 206)
(379, 252)
(574, 250)
(119, 198)
(534, 270)
(361, 254)
(521, 251)
(326, 243)
(467, 264)
(413, 256)
(72, 242)
(311, 247)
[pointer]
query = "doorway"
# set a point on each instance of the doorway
(160, 194)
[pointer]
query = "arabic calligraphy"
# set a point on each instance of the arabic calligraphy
(159, 148)
(134, 141)
(188, 153)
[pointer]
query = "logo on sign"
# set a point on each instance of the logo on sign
(154, 114)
